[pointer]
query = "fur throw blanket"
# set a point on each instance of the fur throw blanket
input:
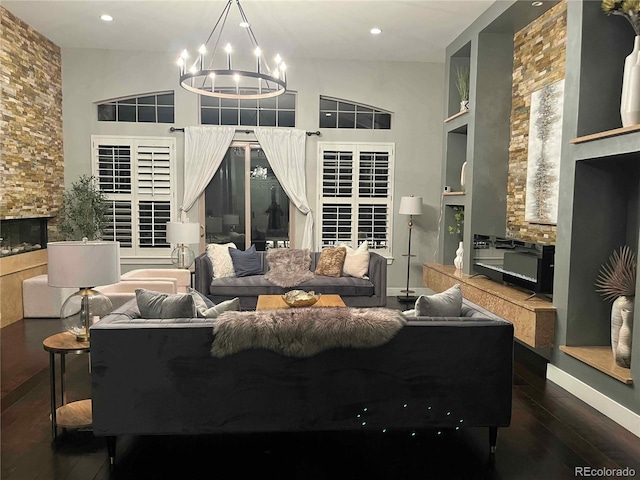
(303, 332)
(288, 267)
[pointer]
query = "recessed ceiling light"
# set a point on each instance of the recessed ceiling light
(245, 24)
(375, 31)
(106, 18)
(537, 4)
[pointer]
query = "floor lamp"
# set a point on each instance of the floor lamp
(409, 206)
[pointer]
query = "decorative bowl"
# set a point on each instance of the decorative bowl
(300, 298)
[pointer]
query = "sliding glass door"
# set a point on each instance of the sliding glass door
(244, 202)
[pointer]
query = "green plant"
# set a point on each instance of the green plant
(84, 210)
(458, 227)
(462, 82)
(618, 277)
(630, 9)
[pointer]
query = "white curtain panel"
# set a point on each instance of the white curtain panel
(285, 151)
(204, 149)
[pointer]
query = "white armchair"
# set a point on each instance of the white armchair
(181, 277)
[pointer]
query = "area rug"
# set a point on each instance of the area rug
(304, 332)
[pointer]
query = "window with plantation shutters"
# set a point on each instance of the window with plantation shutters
(355, 194)
(137, 176)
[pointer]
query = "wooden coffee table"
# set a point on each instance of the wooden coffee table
(273, 302)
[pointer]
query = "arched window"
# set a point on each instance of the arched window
(336, 113)
(278, 111)
(145, 108)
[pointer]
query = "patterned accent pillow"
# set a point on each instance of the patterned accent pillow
(221, 259)
(331, 261)
(164, 305)
(445, 304)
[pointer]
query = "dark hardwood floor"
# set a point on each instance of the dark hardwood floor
(551, 433)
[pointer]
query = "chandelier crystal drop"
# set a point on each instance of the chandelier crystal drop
(212, 71)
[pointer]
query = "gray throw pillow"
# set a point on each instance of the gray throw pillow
(445, 304)
(205, 311)
(164, 305)
(200, 296)
(246, 263)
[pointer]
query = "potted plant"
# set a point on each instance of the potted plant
(617, 281)
(462, 84)
(84, 210)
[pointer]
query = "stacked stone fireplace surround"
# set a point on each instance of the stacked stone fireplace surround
(31, 150)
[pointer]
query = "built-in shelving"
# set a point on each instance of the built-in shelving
(459, 114)
(448, 194)
(599, 192)
(608, 134)
(600, 358)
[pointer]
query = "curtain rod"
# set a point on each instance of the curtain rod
(175, 129)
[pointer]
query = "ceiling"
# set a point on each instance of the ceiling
(411, 30)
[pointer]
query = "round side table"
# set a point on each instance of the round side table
(67, 415)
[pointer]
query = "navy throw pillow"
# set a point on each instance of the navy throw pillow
(246, 263)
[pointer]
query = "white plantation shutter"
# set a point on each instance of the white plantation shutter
(154, 170)
(137, 175)
(373, 181)
(337, 174)
(356, 194)
(114, 168)
(119, 227)
(152, 219)
(336, 223)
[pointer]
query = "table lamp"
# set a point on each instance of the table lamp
(83, 264)
(231, 221)
(183, 234)
(409, 206)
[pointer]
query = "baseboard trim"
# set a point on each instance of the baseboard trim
(612, 409)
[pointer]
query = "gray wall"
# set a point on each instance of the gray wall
(413, 91)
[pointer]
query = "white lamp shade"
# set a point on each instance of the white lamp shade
(410, 206)
(183, 233)
(83, 264)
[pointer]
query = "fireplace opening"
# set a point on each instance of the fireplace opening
(22, 235)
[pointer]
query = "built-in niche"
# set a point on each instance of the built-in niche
(606, 215)
(606, 41)
(456, 157)
(460, 62)
(451, 240)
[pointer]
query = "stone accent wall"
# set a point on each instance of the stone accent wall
(31, 155)
(538, 61)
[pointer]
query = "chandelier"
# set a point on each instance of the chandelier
(203, 77)
(259, 172)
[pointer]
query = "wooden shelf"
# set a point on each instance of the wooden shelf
(607, 134)
(74, 414)
(446, 194)
(453, 117)
(600, 358)
(533, 318)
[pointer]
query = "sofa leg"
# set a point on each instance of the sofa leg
(493, 439)
(111, 448)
